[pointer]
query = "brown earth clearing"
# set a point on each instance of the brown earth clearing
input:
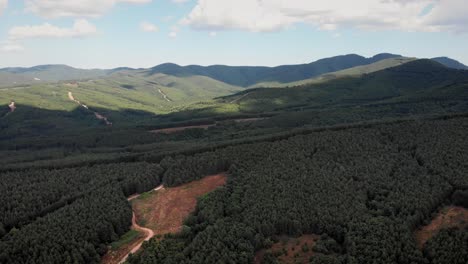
(448, 217)
(72, 84)
(165, 210)
(120, 254)
(177, 129)
(170, 130)
(12, 107)
(242, 120)
(290, 250)
(162, 211)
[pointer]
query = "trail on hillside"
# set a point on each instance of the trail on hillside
(135, 226)
(235, 100)
(164, 95)
(96, 114)
(12, 107)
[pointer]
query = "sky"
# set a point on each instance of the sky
(145, 33)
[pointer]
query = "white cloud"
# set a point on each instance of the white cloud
(173, 34)
(148, 27)
(213, 34)
(180, 1)
(3, 5)
(11, 47)
(81, 28)
(336, 35)
(167, 18)
(274, 15)
(74, 8)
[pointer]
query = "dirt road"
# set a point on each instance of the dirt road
(135, 226)
(164, 95)
(96, 114)
(235, 100)
(148, 232)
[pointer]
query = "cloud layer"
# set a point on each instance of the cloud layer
(148, 27)
(3, 5)
(274, 15)
(81, 28)
(74, 8)
(10, 47)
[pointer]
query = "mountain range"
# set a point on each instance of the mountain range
(138, 100)
(240, 76)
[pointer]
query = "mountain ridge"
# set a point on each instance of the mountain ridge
(241, 76)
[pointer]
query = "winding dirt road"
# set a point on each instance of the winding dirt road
(135, 226)
(96, 114)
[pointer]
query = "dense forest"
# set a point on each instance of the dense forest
(364, 188)
(69, 215)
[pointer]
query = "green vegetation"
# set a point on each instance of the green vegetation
(249, 76)
(46, 73)
(354, 71)
(361, 159)
(70, 215)
(411, 82)
(367, 188)
(125, 239)
(451, 63)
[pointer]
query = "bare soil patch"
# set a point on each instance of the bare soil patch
(290, 250)
(117, 255)
(164, 211)
(171, 130)
(448, 217)
(72, 84)
(133, 244)
(12, 106)
(242, 120)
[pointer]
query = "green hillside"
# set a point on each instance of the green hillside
(247, 76)
(354, 71)
(410, 80)
(451, 63)
(125, 98)
(136, 101)
(47, 73)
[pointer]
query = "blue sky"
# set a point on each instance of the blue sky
(110, 33)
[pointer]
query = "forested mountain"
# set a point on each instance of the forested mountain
(46, 73)
(416, 80)
(451, 63)
(354, 71)
(241, 76)
(246, 76)
(231, 75)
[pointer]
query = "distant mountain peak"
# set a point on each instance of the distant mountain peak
(451, 63)
(383, 56)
